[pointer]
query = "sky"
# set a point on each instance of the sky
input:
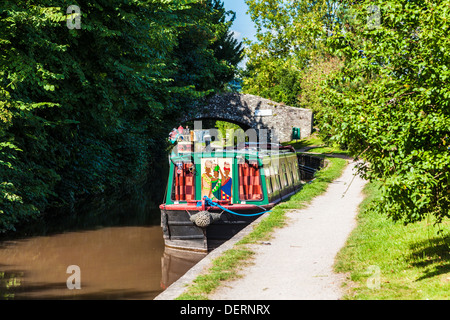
(243, 25)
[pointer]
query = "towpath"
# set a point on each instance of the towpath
(297, 264)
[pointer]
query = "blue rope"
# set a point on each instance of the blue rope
(210, 203)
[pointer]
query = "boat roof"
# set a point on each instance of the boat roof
(251, 150)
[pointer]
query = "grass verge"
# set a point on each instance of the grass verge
(389, 261)
(227, 266)
(316, 145)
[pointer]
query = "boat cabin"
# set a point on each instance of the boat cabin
(212, 193)
(258, 177)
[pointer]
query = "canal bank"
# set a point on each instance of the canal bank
(297, 262)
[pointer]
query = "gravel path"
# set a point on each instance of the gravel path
(298, 262)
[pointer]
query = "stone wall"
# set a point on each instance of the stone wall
(255, 112)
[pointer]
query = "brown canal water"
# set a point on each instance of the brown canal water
(119, 252)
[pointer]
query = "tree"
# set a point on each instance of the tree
(86, 111)
(313, 83)
(207, 54)
(290, 39)
(227, 49)
(390, 104)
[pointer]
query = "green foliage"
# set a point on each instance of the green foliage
(376, 75)
(290, 40)
(85, 111)
(391, 103)
(313, 83)
(207, 54)
(224, 127)
(273, 80)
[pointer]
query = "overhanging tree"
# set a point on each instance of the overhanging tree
(391, 102)
(85, 111)
(290, 39)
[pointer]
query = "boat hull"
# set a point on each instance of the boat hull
(181, 233)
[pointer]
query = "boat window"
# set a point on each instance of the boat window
(283, 175)
(267, 174)
(250, 187)
(269, 185)
(294, 171)
(288, 177)
(183, 182)
(274, 178)
(286, 173)
(290, 174)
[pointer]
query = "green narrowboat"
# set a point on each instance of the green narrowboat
(213, 194)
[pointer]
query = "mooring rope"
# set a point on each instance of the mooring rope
(210, 203)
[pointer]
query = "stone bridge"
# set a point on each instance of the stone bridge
(251, 111)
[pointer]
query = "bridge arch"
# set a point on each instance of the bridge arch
(249, 111)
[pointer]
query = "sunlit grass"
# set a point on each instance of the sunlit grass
(412, 261)
(313, 140)
(328, 150)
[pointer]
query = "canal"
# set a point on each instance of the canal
(117, 247)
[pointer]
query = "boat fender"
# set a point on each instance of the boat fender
(201, 219)
(215, 216)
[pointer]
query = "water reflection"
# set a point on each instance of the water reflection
(115, 263)
(120, 253)
(175, 263)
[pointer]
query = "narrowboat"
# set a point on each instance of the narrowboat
(212, 194)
